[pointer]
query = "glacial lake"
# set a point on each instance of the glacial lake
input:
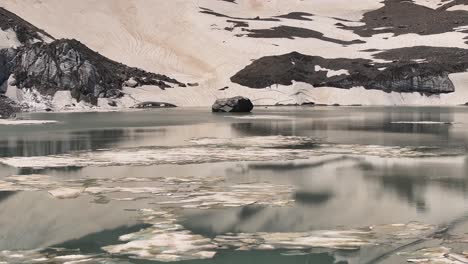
(280, 185)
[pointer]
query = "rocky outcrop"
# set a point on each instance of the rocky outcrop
(70, 65)
(8, 108)
(400, 75)
(236, 104)
(7, 57)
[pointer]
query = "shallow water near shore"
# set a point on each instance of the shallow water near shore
(283, 184)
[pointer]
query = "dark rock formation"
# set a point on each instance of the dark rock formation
(8, 108)
(294, 32)
(401, 75)
(208, 11)
(404, 17)
(236, 104)
(7, 57)
(69, 65)
(297, 16)
(154, 105)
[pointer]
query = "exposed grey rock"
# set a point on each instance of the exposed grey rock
(7, 57)
(70, 65)
(8, 108)
(236, 104)
(3, 87)
(154, 105)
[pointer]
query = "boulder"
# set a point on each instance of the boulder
(236, 104)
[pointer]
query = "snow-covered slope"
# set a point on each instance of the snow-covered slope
(209, 41)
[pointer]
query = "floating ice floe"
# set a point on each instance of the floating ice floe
(189, 192)
(168, 241)
(423, 123)
(12, 122)
(210, 150)
(436, 255)
(165, 241)
(261, 142)
(65, 193)
(262, 117)
(58, 256)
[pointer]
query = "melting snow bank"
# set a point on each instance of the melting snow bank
(209, 150)
(12, 122)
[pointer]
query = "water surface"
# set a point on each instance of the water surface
(283, 184)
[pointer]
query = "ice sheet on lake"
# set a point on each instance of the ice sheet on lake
(209, 150)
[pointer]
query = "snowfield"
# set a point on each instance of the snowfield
(208, 41)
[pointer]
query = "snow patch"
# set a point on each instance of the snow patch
(433, 4)
(331, 73)
(458, 8)
(8, 39)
